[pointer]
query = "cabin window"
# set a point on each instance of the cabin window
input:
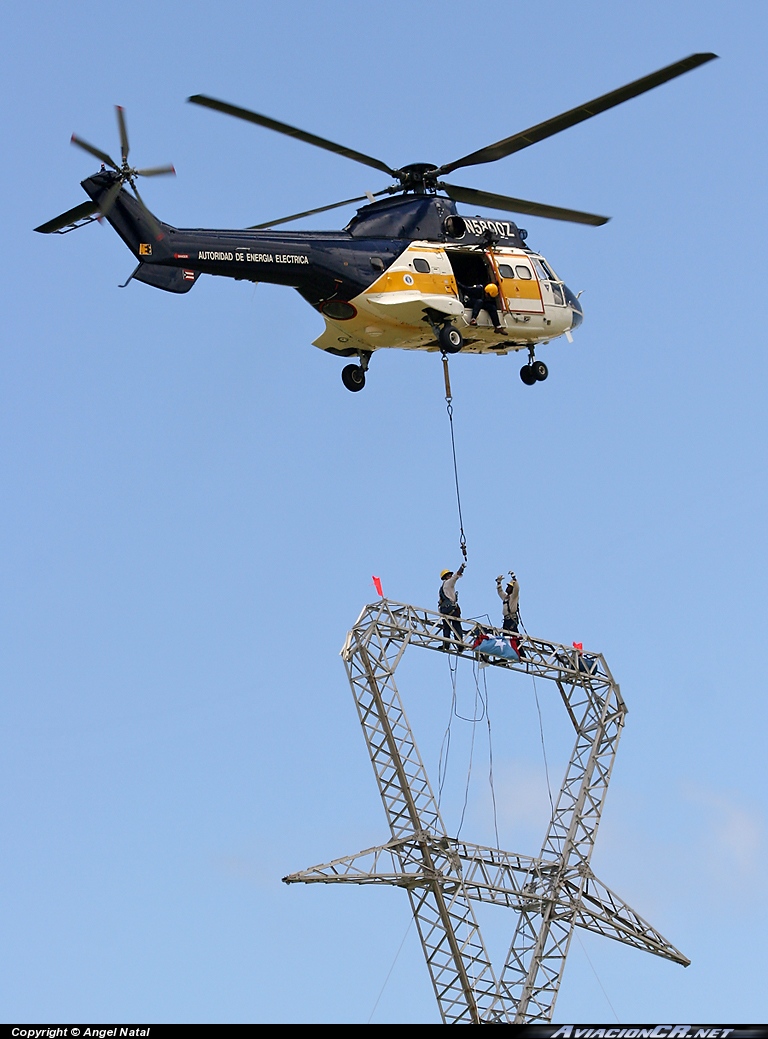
(524, 273)
(421, 265)
(506, 271)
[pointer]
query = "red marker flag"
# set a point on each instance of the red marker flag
(377, 585)
(579, 646)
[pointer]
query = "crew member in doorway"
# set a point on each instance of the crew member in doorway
(510, 602)
(448, 604)
(484, 297)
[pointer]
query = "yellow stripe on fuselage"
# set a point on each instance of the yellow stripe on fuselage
(414, 281)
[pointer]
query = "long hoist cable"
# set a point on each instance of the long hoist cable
(449, 408)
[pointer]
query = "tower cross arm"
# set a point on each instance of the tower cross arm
(602, 911)
(392, 626)
(519, 881)
(398, 862)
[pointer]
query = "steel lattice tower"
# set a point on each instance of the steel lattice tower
(550, 894)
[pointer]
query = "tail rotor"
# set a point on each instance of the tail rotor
(127, 174)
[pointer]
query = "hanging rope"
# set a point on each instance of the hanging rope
(581, 943)
(471, 756)
(389, 975)
(541, 723)
(445, 747)
(477, 717)
(543, 748)
(490, 759)
(449, 408)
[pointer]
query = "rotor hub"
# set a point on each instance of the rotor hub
(418, 176)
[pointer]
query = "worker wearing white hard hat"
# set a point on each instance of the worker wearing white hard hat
(510, 602)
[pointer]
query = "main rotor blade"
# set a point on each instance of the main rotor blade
(96, 152)
(520, 205)
(70, 217)
(311, 212)
(123, 132)
(156, 171)
(576, 115)
(290, 131)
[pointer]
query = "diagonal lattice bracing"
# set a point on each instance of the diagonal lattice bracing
(550, 894)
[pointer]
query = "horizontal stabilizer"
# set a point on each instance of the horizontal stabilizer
(77, 217)
(170, 279)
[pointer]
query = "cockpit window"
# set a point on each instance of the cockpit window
(421, 265)
(544, 273)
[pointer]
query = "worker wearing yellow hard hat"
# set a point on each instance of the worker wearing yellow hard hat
(483, 297)
(448, 607)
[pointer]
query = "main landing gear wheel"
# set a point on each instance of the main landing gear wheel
(540, 370)
(353, 377)
(528, 375)
(450, 339)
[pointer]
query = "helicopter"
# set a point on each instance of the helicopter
(407, 271)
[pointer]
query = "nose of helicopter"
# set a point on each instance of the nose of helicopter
(575, 305)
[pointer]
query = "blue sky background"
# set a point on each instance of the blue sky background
(193, 506)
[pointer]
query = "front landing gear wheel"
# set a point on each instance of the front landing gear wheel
(528, 375)
(540, 370)
(353, 377)
(450, 339)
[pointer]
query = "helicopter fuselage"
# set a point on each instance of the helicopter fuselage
(407, 271)
(399, 271)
